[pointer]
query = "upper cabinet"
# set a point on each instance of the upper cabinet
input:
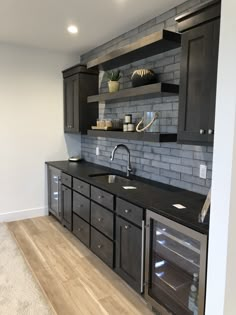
(197, 94)
(79, 83)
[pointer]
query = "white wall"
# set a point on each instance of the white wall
(221, 297)
(31, 126)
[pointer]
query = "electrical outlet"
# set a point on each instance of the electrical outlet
(203, 171)
(97, 151)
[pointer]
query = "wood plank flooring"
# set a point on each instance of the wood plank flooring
(73, 279)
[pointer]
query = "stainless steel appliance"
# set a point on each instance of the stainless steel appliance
(54, 191)
(175, 267)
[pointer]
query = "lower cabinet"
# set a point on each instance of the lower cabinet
(81, 229)
(67, 207)
(129, 253)
(102, 247)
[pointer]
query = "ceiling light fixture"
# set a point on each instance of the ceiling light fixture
(72, 29)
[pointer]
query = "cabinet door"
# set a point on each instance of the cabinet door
(71, 106)
(198, 83)
(129, 253)
(67, 207)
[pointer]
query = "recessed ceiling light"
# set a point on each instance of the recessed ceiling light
(72, 29)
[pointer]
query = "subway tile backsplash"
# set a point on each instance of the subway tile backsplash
(170, 163)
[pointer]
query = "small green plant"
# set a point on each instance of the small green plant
(113, 75)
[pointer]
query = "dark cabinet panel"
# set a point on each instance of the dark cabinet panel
(102, 247)
(82, 187)
(79, 83)
(129, 251)
(102, 197)
(66, 180)
(102, 219)
(198, 83)
(81, 229)
(129, 211)
(81, 206)
(67, 207)
(71, 98)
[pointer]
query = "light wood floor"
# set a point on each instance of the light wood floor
(73, 279)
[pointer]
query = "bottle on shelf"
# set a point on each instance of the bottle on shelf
(193, 295)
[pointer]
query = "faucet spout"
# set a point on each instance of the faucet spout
(129, 169)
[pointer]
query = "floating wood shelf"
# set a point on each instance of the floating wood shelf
(146, 91)
(145, 47)
(137, 136)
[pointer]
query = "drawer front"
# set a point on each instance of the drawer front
(129, 211)
(102, 197)
(102, 247)
(102, 219)
(81, 206)
(81, 229)
(82, 187)
(66, 180)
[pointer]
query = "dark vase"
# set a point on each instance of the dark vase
(143, 77)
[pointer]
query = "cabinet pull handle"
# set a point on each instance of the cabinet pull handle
(127, 211)
(142, 257)
(100, 197)
(127, 227)
(99, 219)
(99, 246)
(80, 187)
(202, 131)
(210, 131)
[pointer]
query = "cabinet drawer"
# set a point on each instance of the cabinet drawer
(102, 247)
(66, 180)
(81, 206)
(81, 187)
(81, 229)
(129, 211)
(102, 219)
(102, 197)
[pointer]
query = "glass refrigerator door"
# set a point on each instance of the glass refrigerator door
(174, 269)
(54, 191)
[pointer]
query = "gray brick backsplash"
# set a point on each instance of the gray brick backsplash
(169, 163)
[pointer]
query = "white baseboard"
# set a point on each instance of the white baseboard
(23, 214)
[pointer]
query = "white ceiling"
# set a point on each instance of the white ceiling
(43, 23)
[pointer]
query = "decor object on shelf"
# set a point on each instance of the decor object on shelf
(149, 122)
(143, 77)
(113, 83)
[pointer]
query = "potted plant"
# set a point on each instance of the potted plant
(113, 80)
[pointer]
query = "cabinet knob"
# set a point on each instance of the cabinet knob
(80, 206)
(99, 219)
(202, 131)
(126, 227)
(99, 246)
(210, 131)
(127, 211)
(79, 229)
(80, 187)
(100, 197)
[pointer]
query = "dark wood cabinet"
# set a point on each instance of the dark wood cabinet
(81, 229)
(79, 83)
(129, 253)
(67, 207)
(199, 61)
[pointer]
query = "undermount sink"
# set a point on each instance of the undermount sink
(112, 178)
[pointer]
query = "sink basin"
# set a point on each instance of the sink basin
(112, 179)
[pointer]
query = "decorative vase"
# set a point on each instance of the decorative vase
(143, 77)
(113, 86)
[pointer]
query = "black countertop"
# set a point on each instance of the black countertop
(151, 195)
